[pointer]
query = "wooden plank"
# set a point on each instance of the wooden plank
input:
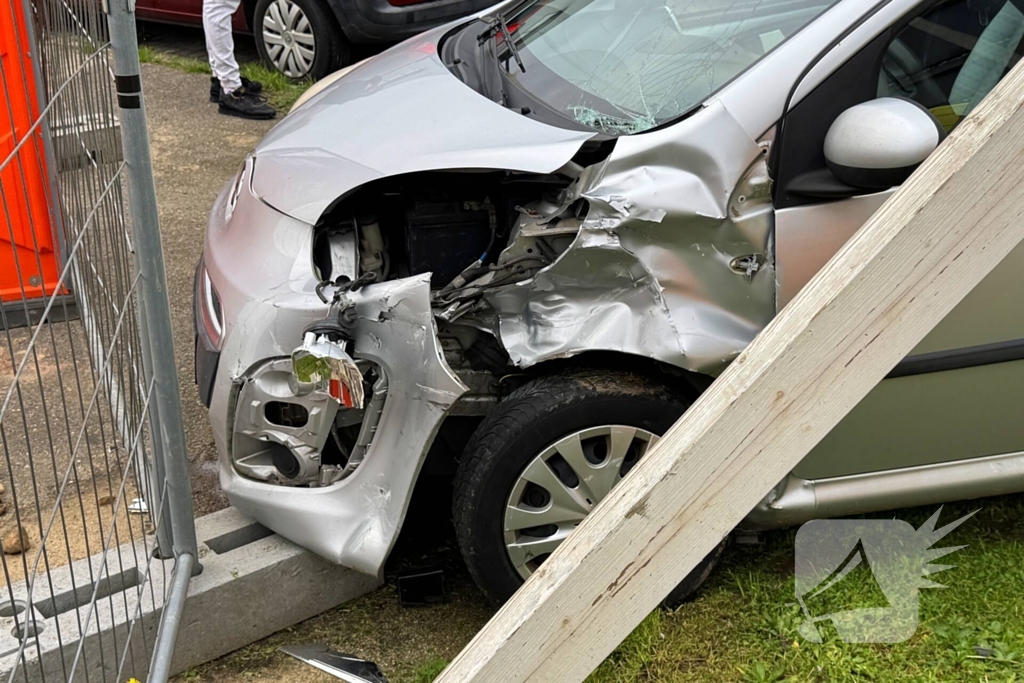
(939, 235)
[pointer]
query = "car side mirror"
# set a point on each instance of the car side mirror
(878, 144)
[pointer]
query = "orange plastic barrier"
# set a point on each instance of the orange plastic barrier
(28, 254)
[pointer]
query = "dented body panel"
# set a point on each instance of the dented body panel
(651, 272)
(356, 521)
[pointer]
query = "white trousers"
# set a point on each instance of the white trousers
(220, 44)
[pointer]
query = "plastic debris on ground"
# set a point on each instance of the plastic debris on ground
(344, 667)
(424, 586)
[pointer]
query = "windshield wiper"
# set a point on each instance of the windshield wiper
(501, 26)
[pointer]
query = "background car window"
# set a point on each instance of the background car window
(949, 58)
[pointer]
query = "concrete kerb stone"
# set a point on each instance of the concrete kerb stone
(253, 584)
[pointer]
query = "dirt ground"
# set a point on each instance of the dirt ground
(52, 414)
(87, 528)
(195, 151)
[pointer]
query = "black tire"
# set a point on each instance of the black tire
(332, 49)
(524, 424)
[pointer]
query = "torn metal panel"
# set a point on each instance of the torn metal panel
(596, 297)
(355, 521)
(672, 261)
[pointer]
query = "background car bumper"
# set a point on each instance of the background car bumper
(366, 21)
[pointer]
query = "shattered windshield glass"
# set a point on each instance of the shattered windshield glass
(625, 66)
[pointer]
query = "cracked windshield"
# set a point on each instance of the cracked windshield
(623, 66)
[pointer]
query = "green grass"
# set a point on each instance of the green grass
(743, 625)
(280, 90)
(148, 55)
(429, 670)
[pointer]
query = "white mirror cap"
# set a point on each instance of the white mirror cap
(887, 133)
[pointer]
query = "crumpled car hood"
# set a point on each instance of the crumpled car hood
(400, 112)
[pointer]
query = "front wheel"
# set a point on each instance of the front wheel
(299, 38)
(544, 458)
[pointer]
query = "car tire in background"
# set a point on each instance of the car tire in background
(299, 38)
(545, 455)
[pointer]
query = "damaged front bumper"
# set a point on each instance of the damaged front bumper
(356, 520)
(258, 262)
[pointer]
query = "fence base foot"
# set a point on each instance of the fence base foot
(28, 313)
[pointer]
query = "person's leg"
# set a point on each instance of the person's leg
(220, 44)
(234, 100)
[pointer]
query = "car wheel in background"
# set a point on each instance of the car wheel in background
(544, 458)
(299, 38)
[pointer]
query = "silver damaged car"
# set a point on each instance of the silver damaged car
(548, 228)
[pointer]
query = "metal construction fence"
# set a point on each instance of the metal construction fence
(95, 506)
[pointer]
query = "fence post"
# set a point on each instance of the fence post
(914, 260)
(168, 428)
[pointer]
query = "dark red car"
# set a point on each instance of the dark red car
(311, 38)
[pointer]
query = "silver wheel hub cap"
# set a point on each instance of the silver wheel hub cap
(560, 487)
(288, 37)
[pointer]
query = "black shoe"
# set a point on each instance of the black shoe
(246, 105)
(254, 87)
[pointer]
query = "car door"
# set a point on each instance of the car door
(958, 395)
(188, 12)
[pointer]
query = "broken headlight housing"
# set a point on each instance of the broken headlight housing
(304, 420)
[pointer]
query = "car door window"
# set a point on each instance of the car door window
(947, 56)
(951, 56)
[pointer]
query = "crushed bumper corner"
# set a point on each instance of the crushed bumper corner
(355, 521)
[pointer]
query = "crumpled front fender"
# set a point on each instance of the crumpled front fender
(653, 270)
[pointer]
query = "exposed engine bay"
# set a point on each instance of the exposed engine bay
(471, 231)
